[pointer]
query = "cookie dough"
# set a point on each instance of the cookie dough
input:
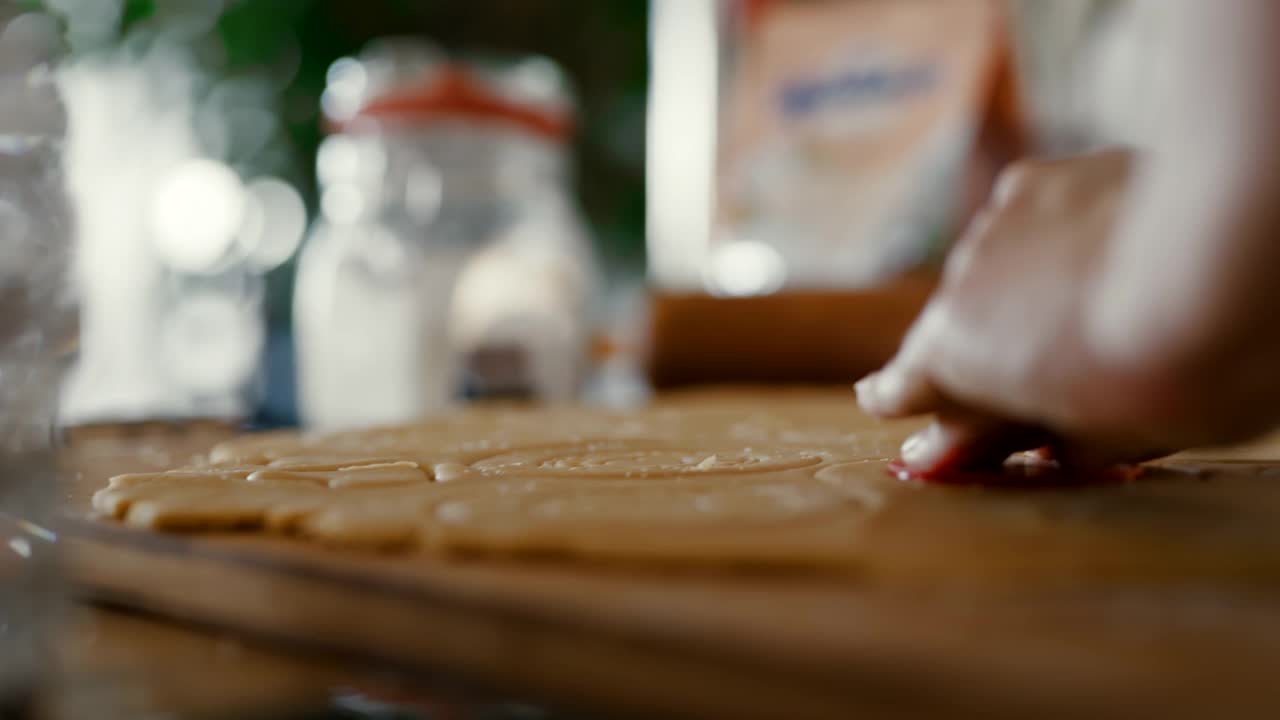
(712, 477)
(725, 479)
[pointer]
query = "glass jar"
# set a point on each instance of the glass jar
(425, 192)
(522, 309)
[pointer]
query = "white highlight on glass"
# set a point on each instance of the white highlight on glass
(21, 547)
(347, 158)
(337, 160)
(351, 168)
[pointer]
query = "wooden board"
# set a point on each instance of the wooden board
(126, 665)
(115, 663)
(813, 336)
(639, 642)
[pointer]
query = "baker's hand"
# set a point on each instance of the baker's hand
(1001, 354)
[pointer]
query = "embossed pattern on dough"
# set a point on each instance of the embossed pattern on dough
(701, 478)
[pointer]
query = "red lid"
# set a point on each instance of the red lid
(451, 93)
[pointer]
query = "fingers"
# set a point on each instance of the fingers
(974, 442)
(967, 441)
(904, 387)
(961, 258)
(897, 392)
(999, 339)
(1085, 455)
(1009, 183)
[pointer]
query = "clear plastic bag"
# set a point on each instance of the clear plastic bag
(37, 333)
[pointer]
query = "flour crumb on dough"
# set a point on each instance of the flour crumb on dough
(446, 471)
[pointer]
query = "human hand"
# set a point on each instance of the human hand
(1003, 355)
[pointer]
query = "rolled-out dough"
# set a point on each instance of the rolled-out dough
(791, 479)
(714, 477)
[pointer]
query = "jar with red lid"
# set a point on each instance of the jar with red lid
(432, 168)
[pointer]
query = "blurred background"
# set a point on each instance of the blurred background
(338, 213)
(200, 124)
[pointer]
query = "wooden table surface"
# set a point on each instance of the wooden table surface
(646, 643)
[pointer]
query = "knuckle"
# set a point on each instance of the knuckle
(1020, 181)
(975, 242)
(1012, 182)
(961, 259)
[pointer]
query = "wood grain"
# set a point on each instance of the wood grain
(1200, 634)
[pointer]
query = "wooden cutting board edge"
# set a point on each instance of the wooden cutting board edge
(504, 642)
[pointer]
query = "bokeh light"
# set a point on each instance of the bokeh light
(347, 87)
(196, 215)
(275, 222)
(343, 204)
(745, 267)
